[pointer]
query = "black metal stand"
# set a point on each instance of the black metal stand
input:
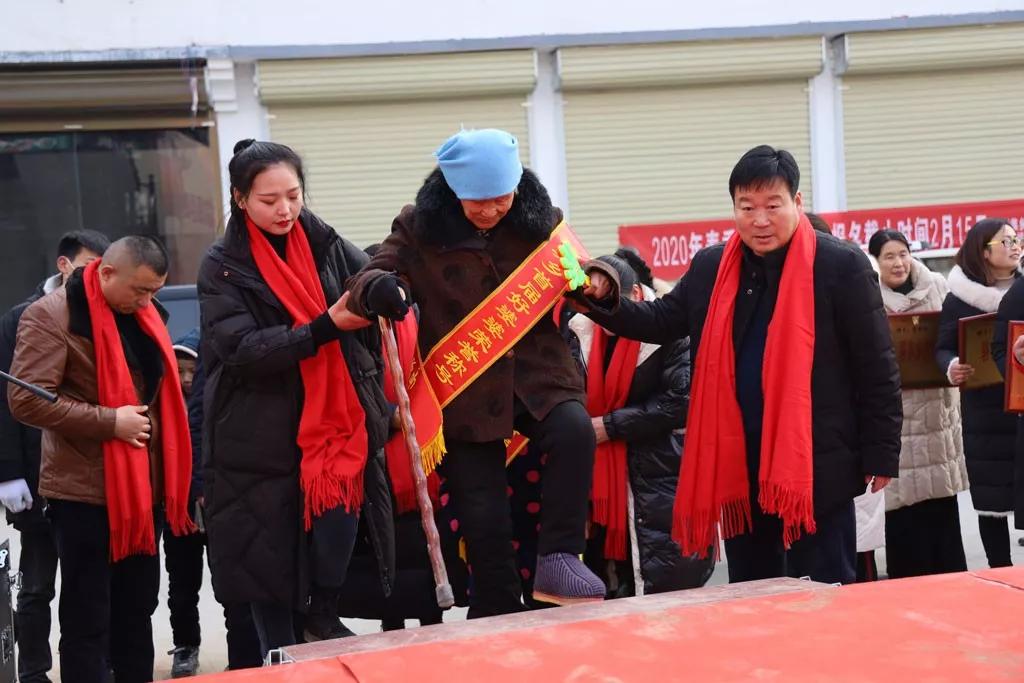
(7, 666)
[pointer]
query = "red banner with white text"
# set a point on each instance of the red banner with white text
(669, 247)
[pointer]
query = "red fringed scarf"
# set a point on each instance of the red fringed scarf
(713, 486)
(396, 452)
(608, 391)
(126, 470)
(332, 429)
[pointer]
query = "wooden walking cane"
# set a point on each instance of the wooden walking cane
(445, 597)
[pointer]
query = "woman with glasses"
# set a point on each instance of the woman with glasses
(922, 520)
(986, 267)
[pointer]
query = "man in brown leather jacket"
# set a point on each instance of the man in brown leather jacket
(20, 454)
(105, 608)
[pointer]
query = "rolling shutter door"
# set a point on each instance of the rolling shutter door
(367, 127)
(101, 97)
(652, 132)
(934, 116)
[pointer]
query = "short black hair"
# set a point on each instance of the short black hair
(819, 223)
(762, 166)
(72, 243)
(883, 237)
(142, 250)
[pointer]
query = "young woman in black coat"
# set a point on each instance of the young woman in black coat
(986, 267)
(289, 453)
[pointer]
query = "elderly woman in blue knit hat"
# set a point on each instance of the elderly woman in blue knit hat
(479, 216)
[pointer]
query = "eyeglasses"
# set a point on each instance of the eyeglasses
(1008, 242)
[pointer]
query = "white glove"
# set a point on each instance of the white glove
(15, 496)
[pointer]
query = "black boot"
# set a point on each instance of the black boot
(322, 622)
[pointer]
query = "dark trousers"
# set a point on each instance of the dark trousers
(38, 567)
(867, 568)
(475, 476)
(275, 626)
(995, 537)
(331, 541)
(924, 538)
(829, 555)
(105, 609)
(244, 650)
(183, 558)
(333, 537)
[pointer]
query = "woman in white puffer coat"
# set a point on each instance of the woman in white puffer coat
(922, 520)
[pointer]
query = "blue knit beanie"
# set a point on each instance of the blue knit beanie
(480, 164)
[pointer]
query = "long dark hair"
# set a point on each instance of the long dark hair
(971, 257)
(251, 158)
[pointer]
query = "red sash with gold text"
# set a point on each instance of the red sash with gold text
(487, 334)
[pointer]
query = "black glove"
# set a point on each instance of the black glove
(386, 298)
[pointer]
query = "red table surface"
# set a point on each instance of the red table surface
(954, 627)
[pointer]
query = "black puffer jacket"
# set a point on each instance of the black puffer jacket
(652, 424)
(252, 403)
(1012, 308)
(857, 411)
(989, 432)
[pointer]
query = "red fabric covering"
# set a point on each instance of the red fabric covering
(713, 486)
(126, 468)
(944, 629)
(608, 391)
(332, 429)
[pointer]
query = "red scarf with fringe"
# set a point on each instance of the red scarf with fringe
(607, 390)
(713, 487)
(126, 470)
(332, 428)
(395, 450)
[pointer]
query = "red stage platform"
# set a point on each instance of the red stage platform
(954, 627)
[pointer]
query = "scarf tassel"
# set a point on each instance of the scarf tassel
(328, 491)
(135, 537)
(177, 517)
(793, 506)
(699, 533)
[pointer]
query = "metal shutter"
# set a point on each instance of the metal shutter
(934, 116)
(367, 128)
(98, 97)
(652, 132)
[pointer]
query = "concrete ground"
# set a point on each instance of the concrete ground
(213, 653)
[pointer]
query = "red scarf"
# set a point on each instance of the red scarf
(126, 470)
(396, 452)
(713, 486)
(608, 391)
(332, 428)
